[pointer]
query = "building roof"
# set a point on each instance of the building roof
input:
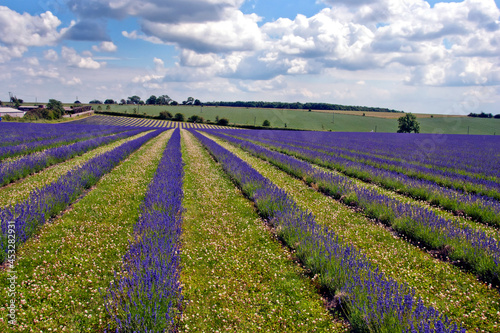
(10, 110)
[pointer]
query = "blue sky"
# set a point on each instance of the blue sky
(413, 55)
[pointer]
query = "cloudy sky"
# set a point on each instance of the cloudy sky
(412, 55)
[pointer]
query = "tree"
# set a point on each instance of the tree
(195, 119)
(152, 100)
(174, 103)
(95, 101)
(163, 100)
(189, 101)
(266, 123)
(222, 121)
(123, 101)
(197, 102)
(77, 102)
(109, 101)
(179, 117)
(56, 107)
(134, 99)
(408, 123)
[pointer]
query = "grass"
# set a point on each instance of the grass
(302, 119)
(61, 272)
(387, 115)
(453, 292)
(21, 189)
(236, 276)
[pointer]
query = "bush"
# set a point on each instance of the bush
(266, 123)
(165, 115)
(223, 122)
(179, 117)
(195, 119)
(7, 118)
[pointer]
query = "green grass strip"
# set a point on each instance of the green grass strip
(59, 274)
(20, 190)
(236, 277)
(457, 294)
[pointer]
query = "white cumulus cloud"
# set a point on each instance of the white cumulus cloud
(74, 59)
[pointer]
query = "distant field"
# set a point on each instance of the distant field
(387, 115)
(339, 121)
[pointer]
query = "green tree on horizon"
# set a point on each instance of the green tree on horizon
(408, 123)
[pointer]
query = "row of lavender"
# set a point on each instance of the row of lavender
(479, 183)
(14, 133)
(51, 199)
(147, 297)
(373, 301)
(477, 154)
(473, 248)
(479, 207)
(59, 135)
(22, 167)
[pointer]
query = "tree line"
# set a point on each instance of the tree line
(299, 106)
(483, 115)
(166, 100)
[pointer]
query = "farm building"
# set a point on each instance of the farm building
(30, 108)
(11, 112)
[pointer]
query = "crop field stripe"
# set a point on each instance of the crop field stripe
(60, 273)
(489, 211)
(65, 136)
(131, 121)
(21, 189)
(128, 121)
(29, 215)
(469, 246)
(159, 123)
(453, 180)
(147, 295)
(151, 123)
(342, 269)
(235, 275)
(145, 122)
(457, 294)
(17, 169)
(336, 149)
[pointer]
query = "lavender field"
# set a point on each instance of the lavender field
(112, 228)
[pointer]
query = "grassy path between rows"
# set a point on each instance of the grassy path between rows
(19, 190)
(59, 273)
(236, 276)
(453, 292)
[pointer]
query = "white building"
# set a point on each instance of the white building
(11, 112)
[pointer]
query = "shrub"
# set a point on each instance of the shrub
(223, 122)
(165, 115)
(179, 117)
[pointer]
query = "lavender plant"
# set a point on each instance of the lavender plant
(371, 301)
(147, 296)
(480, 179)
(60, 135)
(20, 168)
(479, 207)
(51, 199)
(470, 247)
